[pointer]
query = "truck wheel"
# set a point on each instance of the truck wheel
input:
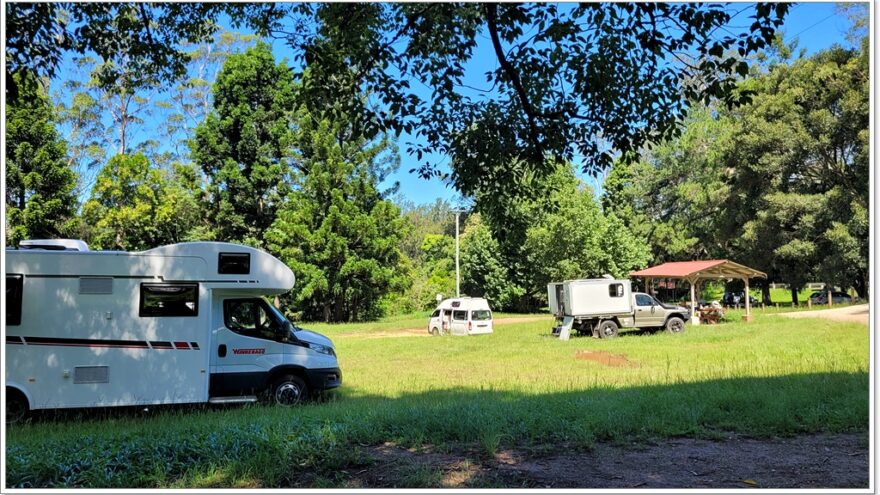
(675, 325)
(289, 390)
(16, 406)
(608, 329)
(435, 332)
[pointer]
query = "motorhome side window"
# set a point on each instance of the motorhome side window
(14, 285)
(615, 290)
(169, 300)
(459, 315)
(435, 314)
(249, 317)
(234, 263)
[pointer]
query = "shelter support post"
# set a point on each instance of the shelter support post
(694, 319)
(748, 316)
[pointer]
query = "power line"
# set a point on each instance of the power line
(813, 25)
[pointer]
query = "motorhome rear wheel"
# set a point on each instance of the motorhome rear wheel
(16, 406)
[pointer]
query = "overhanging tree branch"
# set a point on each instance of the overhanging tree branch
(513, 75)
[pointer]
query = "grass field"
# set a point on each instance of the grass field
(518, 386)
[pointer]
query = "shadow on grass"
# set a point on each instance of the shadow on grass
(181, 445)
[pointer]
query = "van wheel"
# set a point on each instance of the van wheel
(16, 406)
(289, 390)
(435, 332)
(608, 329)
(675, 325)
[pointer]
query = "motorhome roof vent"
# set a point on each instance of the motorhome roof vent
(608, 277)
(54, 244)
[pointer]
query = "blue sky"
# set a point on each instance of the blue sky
(815, 25)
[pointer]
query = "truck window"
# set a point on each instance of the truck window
(169, 300)
(615, 290)
(435, 314)
(459, 315)
(481, 315)
(249, 317)
(643, 300)
(14, 285)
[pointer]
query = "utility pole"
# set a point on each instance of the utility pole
(457, 277)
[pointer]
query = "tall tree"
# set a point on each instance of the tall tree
(484, 271)
(674, 195)
(135, 206)
(336, 231)
(244, 145)
(801, 150)
(40, 199)
(190, 101)
(576, 240)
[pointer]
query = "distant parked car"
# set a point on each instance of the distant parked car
(735, 298)
(821, 297)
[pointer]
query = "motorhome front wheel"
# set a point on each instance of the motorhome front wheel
(289, 391)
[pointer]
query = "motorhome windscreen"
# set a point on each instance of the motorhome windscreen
(481, 315)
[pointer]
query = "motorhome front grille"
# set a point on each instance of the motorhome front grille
(91, 374)
(96, 285)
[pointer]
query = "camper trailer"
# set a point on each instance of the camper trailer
(461, 316)
(184, 323)
(600, 307)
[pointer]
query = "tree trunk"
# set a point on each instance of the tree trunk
(860, 284)
(794, 294)
(765, 291)
(338, 306)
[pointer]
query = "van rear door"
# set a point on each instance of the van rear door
(481, 321)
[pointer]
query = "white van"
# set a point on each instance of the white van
(461, 316)
(176, 324)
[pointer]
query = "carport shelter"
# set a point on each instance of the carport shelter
(695, 271)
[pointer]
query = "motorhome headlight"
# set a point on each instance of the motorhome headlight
(323, 349)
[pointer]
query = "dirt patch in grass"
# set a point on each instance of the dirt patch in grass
(806, 461)
(606, 358)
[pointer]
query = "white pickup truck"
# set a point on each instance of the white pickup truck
(601, 307)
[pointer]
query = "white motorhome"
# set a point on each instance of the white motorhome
(602, 306)
(461, 316)
(184, 323)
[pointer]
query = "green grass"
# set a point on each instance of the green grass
(518, 386)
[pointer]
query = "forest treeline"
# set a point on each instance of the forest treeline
(248, 151)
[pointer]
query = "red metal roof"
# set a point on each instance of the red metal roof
(686, 268)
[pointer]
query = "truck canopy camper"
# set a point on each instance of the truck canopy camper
(601, 306)
(183, 323)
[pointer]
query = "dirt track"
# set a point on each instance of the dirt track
(805, 461)
(423, 331)
(850, 314)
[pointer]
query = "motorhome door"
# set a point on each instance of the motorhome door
(247, 341)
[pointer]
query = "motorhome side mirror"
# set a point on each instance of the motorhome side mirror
(286, 332)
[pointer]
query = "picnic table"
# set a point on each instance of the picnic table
(710, 314)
